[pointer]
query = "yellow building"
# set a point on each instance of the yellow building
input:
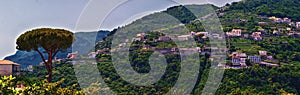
(272, 18)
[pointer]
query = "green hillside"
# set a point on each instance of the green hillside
(278, 8)
(255, 80)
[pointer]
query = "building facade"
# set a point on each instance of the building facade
(9, 68)
(254, 59)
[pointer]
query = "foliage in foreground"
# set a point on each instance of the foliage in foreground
(9, 87)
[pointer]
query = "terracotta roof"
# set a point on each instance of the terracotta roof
(7, 62)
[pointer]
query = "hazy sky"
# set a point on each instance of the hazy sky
(17, 16)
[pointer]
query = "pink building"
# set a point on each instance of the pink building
(72, 55)
(256, 35)
(9, 68)
(287, 20)
(239, 59)
(92, 54)
(262, 53)
(298, 25)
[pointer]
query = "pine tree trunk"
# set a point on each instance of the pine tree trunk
(49, 78)
(49, 67)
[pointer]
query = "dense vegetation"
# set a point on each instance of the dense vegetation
(261, 80)
(278, 8)
(34, 87)
(256, 79)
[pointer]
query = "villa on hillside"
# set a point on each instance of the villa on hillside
(275, 19)
(254, 59)
(9, 68)
(140, 37)
(235, 33)
(104, 51)
(262, 53)
(288, 29)
(287, 20)
(275, 32)
(278, 20)
(72, 55)
(256, 36)
(239, 59)
(202, 33)
(298, 25)
(291, 33)
(92, 54)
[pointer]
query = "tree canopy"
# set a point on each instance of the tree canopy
(51, 40)
(46, 38)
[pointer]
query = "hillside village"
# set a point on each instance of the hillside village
(238, 59)
(262, 57)
(247, 49)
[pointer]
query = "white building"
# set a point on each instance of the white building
(298, 25)
(202, 33)
(92, 54)
(235, 33)
(254, 59)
